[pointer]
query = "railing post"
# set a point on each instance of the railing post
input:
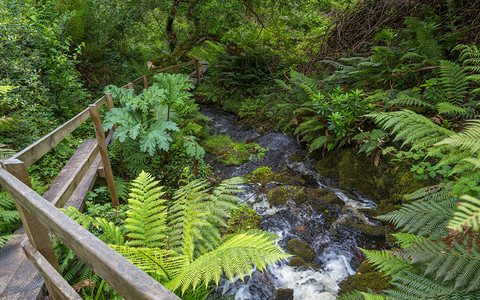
(130, 86)
(176, 69)
(197, 67)
(102, 146)
(145, 82)
(37, 233)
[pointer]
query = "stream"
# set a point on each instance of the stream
(327, 230)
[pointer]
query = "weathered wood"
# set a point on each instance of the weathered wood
(137, 81)
(197, 68)
(36, 232)
(78, 198)
(109, 99)
(145, 82)
(58, 286)
(70, 186)
(36, 150)
(104, 153)
(176, 70)
(130, 86)
(129, 281)
(71, 174)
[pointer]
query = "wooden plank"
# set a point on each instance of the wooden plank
(71, 174)
(197, 68)
(70, 186)
(37, 233)
(63, 290)
(129, 281)
(145, 82)
(36, 150)
(97, 124)
(137, 81)
(78, 198)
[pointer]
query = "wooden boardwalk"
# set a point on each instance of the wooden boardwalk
(19, 278)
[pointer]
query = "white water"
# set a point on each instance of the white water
(335, 245)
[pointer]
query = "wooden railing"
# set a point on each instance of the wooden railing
(41, 217)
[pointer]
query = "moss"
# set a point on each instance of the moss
(321, 199)
(328, 166)
(284, 294)
(369, 229)
(262, 175)
(278, 196)
(301, 249)
(296, 158)
(384, 184)
(163, 61)
(229, 152)
(364, 280)
(296, 262)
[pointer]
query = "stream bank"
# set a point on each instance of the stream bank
(316, 208)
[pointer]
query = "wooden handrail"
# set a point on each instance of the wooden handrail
(129, 281)
(40, 216)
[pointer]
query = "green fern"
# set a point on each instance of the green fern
(459, 264)
(454, 81)
(234, 257)
(467, 214)
(411, 127)
(146, 213)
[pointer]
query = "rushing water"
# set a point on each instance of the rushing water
(335, 245)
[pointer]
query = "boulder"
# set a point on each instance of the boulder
(301, 249)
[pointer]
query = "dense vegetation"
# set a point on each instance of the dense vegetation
(398, 81)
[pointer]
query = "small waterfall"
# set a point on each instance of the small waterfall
(335, 246)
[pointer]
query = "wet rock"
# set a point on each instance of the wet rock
(296, 158)
(284, 294)
(364, 280)
(301, 249)
(277, 196)
(296, 262)
(321, 199)
(369, 229)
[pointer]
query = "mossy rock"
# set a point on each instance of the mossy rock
(384, 184)
(296, 262)
(301, 196)
(262, 175)
(296, 158)
(378, 231)
(322, 199)
(364, 280)
(301, 249)
(278, 196)
(284, 294)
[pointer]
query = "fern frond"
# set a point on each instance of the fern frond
(422, 218)
(234, 257)
(460, 264)
(454, 81)
(146, 213)
(466, 215)
(385, 261)
(411, 286)
(165, 263)
(413, 128)
(452, 110)
(405, 100)
(468, 140)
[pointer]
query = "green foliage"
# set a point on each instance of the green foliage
(9, 217)
(242, 218)
(230, 152)
(146, 213)
(151, 118)
(180, 255)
